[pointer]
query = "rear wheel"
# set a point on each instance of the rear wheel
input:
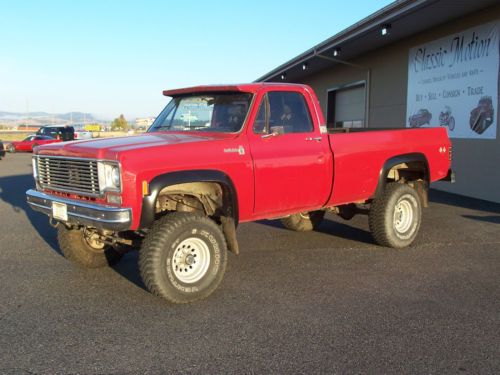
(395, 216)
(304, 221)
(85, 248)
(183, 257)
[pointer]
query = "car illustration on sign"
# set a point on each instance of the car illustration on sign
(481, 117)
(422, 117)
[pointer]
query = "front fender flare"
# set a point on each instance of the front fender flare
(173, 178)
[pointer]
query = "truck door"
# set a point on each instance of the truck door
(291, 159)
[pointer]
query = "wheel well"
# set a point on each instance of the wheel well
(206, 197)
(412, 169)
(409, 171)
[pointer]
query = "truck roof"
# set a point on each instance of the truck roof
(243, 87)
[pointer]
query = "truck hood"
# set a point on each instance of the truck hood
(110, 148)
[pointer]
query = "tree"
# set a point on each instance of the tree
(119, 124)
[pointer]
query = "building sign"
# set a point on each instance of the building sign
(453, 82)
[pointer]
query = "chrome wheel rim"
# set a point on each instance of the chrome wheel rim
(403, 215)
(191, 260)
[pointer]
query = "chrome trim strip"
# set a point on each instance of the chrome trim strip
(106, 217)
(75, 158)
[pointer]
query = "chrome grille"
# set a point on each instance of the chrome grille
(78, 176)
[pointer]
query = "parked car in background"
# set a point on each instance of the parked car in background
(2, 150)
(61, 132)
(81, 133)
(30, 142)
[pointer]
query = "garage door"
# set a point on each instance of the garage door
(346, 107)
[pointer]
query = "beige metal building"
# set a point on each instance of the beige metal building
(416, 63)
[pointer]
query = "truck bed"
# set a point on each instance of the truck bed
(359, 156)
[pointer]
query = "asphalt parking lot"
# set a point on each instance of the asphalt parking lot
(323, 302)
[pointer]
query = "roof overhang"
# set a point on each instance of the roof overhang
(405, 17)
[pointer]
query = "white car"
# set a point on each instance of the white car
(81, 133)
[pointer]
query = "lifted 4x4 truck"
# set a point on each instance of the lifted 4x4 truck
(253, 151)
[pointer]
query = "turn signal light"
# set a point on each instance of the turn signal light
(145, 188)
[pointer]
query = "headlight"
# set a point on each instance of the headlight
(109, 176)
(115, 176)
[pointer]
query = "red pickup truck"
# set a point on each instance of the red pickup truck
(220, 155)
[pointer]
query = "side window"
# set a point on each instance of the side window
(259, 125)
(288, 113)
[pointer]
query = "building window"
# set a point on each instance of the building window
(346, 107)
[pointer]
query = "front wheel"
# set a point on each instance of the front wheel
(395, 216)
(84, 247)
(11, 149)
(183, 257)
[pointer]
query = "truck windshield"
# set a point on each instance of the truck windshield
(219, 112)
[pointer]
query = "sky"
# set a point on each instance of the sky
(110, 57)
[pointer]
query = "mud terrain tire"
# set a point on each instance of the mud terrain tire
(395, 216)
(76, 248)
(183, 257)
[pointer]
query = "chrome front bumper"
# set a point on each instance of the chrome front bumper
(93, 215)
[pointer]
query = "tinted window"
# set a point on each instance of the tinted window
(287, 113)
(66, 133)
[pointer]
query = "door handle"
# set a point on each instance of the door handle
(317, 139)
(269, 135)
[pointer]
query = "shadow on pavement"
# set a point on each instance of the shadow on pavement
(333, 228)
(464, 202)
(12, 191)
(487, 219)
(128, 268)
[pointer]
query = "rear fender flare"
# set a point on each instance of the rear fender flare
(160, 182)
(399, 159)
